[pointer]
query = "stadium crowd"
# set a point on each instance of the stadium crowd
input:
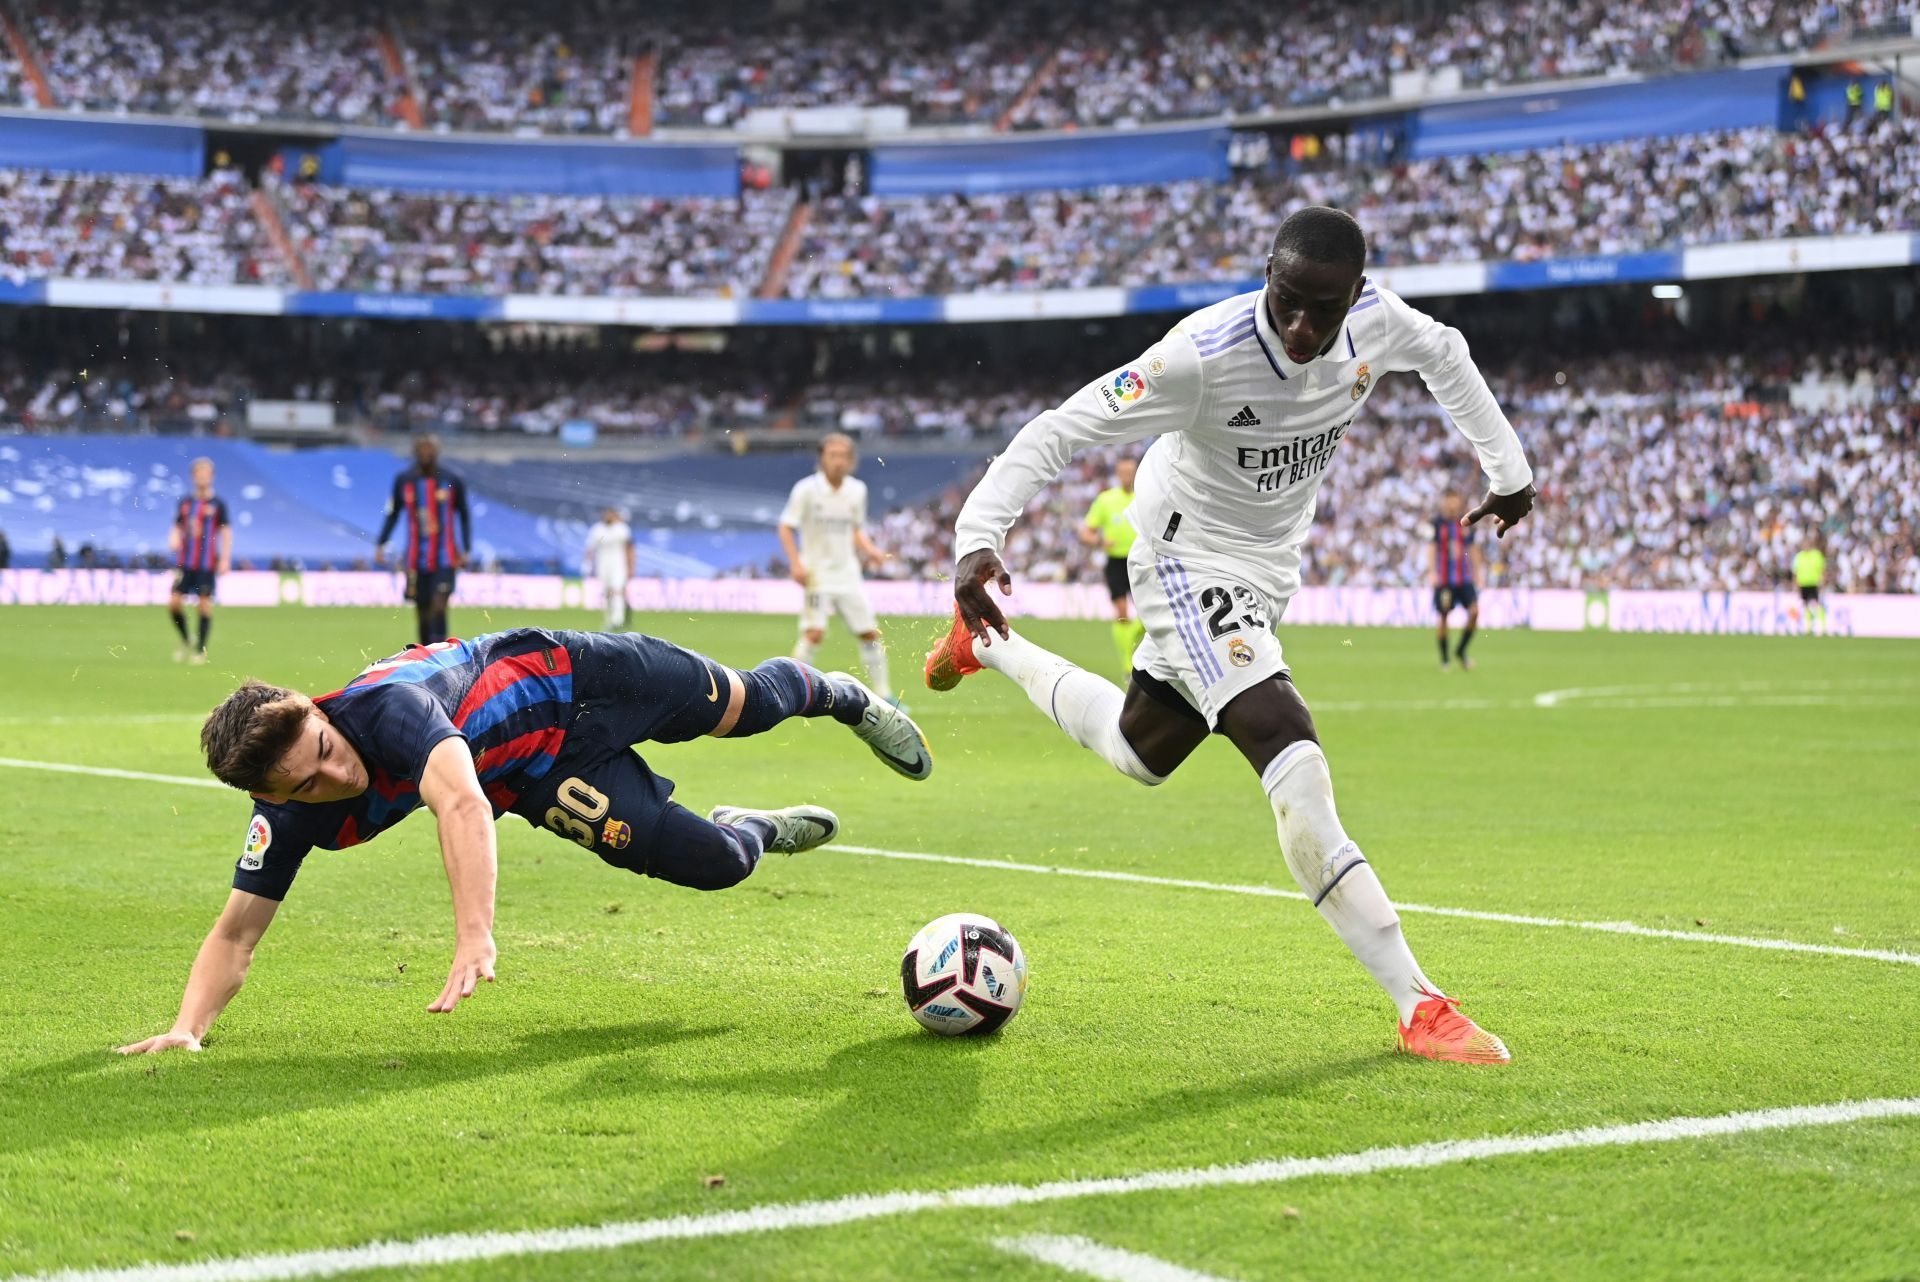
(1696, 473)
(375, 239)
(558, 68)
(242, 60)
(194, 231)
(1597, 199)
(1750, 184)
(570, 67)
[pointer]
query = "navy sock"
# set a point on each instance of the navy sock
(1443, 647)
(179, 623)
(1465, 637)
(782, 688)
(206, 626)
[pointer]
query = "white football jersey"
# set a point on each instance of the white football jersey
(1245, 434)
(826, 519)
(607, 545)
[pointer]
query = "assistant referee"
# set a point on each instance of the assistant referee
(1108, 525)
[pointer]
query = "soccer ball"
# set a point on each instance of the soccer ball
(963, 973)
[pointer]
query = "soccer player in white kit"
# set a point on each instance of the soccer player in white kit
(1249, 399)
(829, 511)
(610, 560)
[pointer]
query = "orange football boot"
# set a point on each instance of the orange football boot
(1439, 1031)
(952, 658)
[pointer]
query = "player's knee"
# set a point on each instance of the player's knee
(700, 855)
(814, 636)
(870, 637)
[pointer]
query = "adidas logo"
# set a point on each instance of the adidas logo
(1245, 418)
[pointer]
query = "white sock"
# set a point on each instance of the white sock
(803, 649)
(873, 654)
(1085, 706)
(1329, 867)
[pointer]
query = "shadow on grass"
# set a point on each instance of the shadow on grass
(909, 1107)
(102, 1098)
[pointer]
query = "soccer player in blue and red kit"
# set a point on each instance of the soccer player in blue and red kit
(202, 544)
(432, 498)
(1456, 565)
(540, 724)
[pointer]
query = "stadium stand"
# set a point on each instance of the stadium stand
(1610, 198)
(372, 239)
(197, 231)
(240, 60)
(572, 68)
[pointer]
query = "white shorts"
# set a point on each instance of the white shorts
(1209, 620)
(849, 603)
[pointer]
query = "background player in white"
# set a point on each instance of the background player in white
(828, 511)
(610, 560)
(1249, 399)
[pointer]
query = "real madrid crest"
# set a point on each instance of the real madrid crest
(1156, 366)
(1239, 653)
(1361, 382)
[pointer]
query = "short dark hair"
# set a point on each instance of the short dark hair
(245, 737)
(1322, 235)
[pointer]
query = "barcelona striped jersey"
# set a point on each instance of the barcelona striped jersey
(199, 522)
(510, 695)
(431, 502)
(1452, 567)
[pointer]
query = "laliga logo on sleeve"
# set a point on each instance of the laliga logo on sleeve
(1128, 387)
(259, 837)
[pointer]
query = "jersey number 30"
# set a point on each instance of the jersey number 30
(581, 804)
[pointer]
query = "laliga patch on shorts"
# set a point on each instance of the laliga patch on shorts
(616, 834)
(259, 837)
(1128, 388)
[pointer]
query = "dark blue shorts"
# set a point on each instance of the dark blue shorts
(194, 583)
(630, 688)
(424, 585)
(1455, 596)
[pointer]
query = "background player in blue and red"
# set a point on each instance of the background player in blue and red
(540, 724)
(431, 498)
(201, 541)
(1457, 566)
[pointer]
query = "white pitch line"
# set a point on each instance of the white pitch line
(1471, 914)
(463, 1248)
(1096, 1260)
(1179, 883)
(107, 772)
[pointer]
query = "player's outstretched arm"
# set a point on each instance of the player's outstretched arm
(452, 792)
(218, 971)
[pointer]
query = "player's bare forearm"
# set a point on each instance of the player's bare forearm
(452, 792)
(868, 549)
(219, 969)
(1089, 536)
(978, 610)
(796, 568)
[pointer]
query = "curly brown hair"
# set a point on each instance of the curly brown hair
(250, 731)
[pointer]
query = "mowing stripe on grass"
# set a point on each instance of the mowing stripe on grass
(1471, 914)
(1094, 1260)
(1180, 883)
(461, 1248)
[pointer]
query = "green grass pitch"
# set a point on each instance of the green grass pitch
(643, 1038)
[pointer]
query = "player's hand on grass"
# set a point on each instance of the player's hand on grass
(1505, 509)
(162, 1042)
(472, 962)
(977, 609)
